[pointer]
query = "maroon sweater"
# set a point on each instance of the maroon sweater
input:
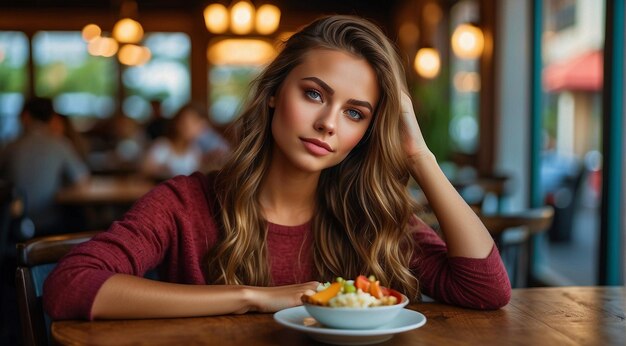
(173, 228)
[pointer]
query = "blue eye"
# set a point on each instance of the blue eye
(314, 95)
(354, 114)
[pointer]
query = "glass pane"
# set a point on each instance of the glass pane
(80, 84)
(165, 77)
(229, 87)
(13, 82)
(571, 160)
(465, 82)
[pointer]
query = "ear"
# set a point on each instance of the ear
(272, 102)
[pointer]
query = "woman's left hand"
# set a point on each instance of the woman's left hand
(412, 138)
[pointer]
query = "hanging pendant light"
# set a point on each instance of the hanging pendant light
(267, 19)
(91, 32)
(102, 46)
(242, 18)
(468, 41)
(427, 62)
(134, 55)
(127, 30)
(216, 18)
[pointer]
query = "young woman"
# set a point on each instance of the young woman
(316, 189)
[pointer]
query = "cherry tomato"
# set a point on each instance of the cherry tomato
(363, 283)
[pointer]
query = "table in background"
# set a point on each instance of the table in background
(105, 190)
(102, 199)
(535, 316)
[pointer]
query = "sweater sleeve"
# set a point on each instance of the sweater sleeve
(479, 283)
(134, 245)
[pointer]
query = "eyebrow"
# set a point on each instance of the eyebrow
(321, 83)
(361, 103)
(331, 91)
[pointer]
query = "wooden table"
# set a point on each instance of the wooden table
(105, 190)
(100, 201)
(535, 316)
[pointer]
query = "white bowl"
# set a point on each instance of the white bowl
(356, 318)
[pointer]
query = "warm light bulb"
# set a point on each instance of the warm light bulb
(216, 18)
(267, 19)
(468, 41)
(91, 32)
(102, 46)
(127, 30)
(241, 52)
(242, 18)
(134, 55)
(427, 62)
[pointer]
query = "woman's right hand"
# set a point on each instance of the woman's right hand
(272, 299)
(412, 137)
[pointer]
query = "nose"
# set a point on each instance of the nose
(326, 122)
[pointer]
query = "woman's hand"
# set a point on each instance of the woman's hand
(412, 138)
(271, 299)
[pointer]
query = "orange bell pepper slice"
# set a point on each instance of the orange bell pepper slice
(375, 290)
(322, 297)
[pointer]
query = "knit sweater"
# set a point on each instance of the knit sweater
(172, 228)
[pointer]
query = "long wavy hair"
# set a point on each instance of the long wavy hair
(360, 225)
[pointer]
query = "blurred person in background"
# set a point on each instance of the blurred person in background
(215, 148)
(177, 153)
(158, 124)
(117, 145)
(40, 162)
(62, 125)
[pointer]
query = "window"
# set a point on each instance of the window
(165, 77)
(229, 86)
(561, 14)
(465, 87)
(571, 157)
(80, 84)
(14, 52)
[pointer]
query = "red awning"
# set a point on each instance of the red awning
(581, 73)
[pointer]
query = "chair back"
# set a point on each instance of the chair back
(516, 250)
(6, 196)
(35, 260)
(15, 225)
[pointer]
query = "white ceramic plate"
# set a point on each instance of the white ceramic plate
(297, 318)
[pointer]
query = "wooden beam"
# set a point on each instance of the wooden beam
(488, 120)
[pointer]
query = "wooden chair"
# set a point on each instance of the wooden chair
(498, 185)
(6, 198)
(511, 232)
(36, 258)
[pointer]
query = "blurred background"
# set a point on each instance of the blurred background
(520, 100)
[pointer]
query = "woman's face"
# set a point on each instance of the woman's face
(322, 109)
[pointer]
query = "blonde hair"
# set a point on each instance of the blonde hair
(363, 206)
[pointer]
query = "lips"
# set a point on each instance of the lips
(316, 146)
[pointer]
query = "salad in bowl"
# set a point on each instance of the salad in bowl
(361, 303)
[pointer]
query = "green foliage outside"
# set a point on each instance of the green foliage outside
(430, 99)
(96, 76)
(13, 79)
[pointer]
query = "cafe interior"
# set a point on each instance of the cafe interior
(520, 101)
